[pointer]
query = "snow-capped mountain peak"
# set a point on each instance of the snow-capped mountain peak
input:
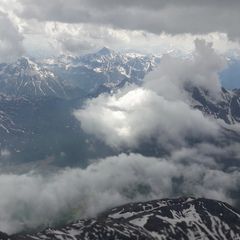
(105, 51)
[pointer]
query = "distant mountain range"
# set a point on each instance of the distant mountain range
(103, 68)
(167, 219)
(37, 99)
(69, 77)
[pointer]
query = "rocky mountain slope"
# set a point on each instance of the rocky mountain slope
(69, 77)
(105, 71)
(183, 218)
(27, 78)
(226, 107)
(8, 106)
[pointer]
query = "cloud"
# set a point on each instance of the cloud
(77, 27)
(175, 74)
(33, 200)
(140, 115)
(80, 38)
(175, 17)
(11, 40)
(158, 110)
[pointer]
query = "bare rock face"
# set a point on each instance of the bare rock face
(226, 108)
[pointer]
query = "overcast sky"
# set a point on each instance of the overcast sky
(78, 26)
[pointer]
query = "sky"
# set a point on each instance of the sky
(43, 28)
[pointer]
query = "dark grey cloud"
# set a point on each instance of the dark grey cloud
(155, 16)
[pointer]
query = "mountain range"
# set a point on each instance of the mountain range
(37, 99)
(71, 77)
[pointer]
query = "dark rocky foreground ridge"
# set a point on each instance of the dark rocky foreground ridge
(183, 218)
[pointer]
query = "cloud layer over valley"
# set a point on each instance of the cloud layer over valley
(31, 200)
